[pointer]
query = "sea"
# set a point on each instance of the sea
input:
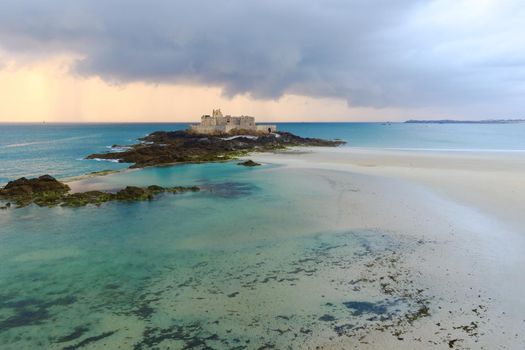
(59, 149)
(246, 264)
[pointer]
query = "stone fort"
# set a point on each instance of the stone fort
(216, 123)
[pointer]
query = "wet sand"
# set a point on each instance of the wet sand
(462, 213)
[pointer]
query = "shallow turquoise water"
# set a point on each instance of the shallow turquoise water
(246, 263)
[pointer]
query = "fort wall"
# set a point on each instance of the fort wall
(217, 123)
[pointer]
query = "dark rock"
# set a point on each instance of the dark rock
(342, 329)
(76, 333)
(47, 191)
(90, 340)
(180, 189)
(84, 198)
(47, 178)
(16, 183)
(249, 163)
(452, 342)
(132, 193)
(44, 183)
(156, 189)
(327, 318)
(164, 147)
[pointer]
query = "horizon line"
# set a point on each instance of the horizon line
(190, 122)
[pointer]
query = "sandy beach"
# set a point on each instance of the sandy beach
(467, 209)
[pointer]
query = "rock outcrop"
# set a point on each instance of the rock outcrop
(42, 184)
(162, 147)
(47, 191)
(249, 163)
(44, 189)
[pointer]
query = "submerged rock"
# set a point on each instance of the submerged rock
(327, 318)
(84, 198)
(249, 163)
(132, 193)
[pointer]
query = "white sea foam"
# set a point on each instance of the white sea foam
(118, 149)
(237, 136)
(105, 160)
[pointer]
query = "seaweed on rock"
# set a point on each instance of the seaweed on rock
(47, 191)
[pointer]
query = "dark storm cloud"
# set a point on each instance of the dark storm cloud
(378, 53)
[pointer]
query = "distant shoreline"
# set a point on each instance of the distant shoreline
(411, 121)
(450, 121)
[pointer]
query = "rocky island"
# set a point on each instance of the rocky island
(215, 138)
(48, 191)
(165, 147)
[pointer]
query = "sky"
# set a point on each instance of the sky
(277, 60)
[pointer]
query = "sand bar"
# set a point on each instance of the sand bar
(466, 205)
